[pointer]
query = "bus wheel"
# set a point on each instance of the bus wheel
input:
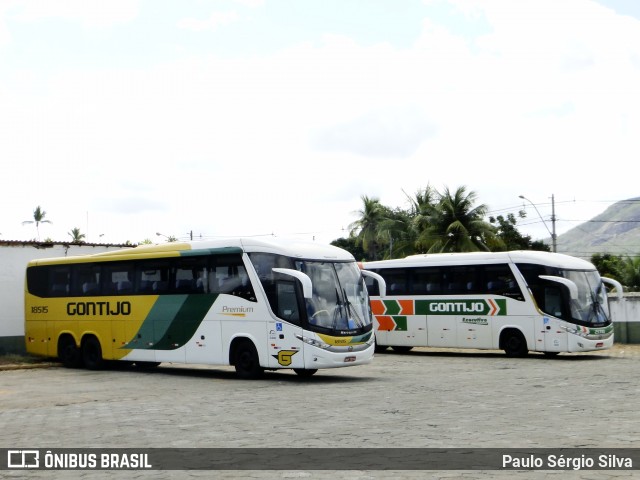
(380, 348)
(68, 353)
(247, 362)
(401, 348)
(514, 344)
(92, 353)
(146, 365)
(305, 372)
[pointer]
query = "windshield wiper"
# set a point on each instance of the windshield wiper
(351, 310)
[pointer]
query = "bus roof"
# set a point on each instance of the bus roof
(293, 248)
(518, 256)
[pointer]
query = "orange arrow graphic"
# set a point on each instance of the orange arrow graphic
(385, 322)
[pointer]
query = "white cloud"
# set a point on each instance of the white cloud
(212, 23)
(89, 13)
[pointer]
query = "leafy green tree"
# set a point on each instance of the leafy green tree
(456, 224)
(38, 218)
(511, 238)
(351, 245)
(76, 236)
(608, 265)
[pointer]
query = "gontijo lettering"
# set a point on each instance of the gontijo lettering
(99, 308)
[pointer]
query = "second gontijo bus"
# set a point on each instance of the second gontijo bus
(515, 301)
(250, 303)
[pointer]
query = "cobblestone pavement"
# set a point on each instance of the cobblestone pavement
(427, 398)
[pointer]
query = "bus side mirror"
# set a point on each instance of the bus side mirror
(307, 288)
(573, 288)
(617, 285)
(382, 285)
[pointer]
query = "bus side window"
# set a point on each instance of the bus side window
(228, 275)
(86, 280)
(116, 279)
(152, 277)
(396, 280)
(59, 281)
(501, 281)
(287, 301)
(37, 281)
(188, 274)
(372, 286)
(553, 301)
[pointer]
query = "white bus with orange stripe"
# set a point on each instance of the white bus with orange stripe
(515, 301)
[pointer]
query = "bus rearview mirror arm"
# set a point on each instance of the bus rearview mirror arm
(573, 288)
(382, 285)
(307, 288)
(616, 284)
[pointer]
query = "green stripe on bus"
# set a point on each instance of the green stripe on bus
(401, 324)
(392, 307)
(172, 321)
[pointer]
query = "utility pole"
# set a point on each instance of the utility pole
(554, 242)
(552, 232)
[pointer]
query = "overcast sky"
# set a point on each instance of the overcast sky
(124, 118)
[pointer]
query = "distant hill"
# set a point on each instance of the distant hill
(615, 231)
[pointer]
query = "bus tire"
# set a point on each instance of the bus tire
(380, 348)
(146, 365)
(92, 353)
(68, 353)
(401, 348)
(514, 344)
(305, 372)
(247, 361)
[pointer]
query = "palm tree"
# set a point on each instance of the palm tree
(76, 236)
(397, 233)
(38, 218)
(366, 228)
(455, 224)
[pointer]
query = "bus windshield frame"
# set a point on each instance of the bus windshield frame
(339, 304)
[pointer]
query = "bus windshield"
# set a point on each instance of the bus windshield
(339, 304)
(340, 301)
(591, 306)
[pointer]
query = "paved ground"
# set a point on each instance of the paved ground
(428, 398)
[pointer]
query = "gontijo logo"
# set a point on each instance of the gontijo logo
(488, 306)
(392, 314)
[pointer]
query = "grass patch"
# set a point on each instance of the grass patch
(14, 358)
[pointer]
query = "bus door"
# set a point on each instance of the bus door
(474, 322)
(554, 338)
(441, 330)
(285, 348)
(285, 345)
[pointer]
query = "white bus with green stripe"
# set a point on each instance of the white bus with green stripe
(255, 304)
(517, 301)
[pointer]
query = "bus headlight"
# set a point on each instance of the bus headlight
(313, 342)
